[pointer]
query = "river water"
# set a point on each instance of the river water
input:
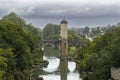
(57, 69)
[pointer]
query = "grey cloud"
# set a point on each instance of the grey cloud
(83, 10)
(52, 10)
(71, 12)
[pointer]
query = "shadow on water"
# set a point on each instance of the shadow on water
(63, 69)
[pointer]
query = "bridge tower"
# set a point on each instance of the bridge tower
(64, 38)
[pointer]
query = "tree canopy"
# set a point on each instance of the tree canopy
(19, 45)
(100, 55)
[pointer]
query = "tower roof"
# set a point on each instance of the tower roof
(64, 21)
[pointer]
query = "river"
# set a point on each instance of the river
(58, 69)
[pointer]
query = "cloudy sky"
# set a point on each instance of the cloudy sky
(77, 12)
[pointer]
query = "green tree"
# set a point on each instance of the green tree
(3, 65)
(11, 63)
(86, 30)
(13, 18)
(100, 55)
(51, 32)
(19, 46)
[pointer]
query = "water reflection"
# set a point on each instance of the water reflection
(55, 65)
(63, 69)
(58, 69)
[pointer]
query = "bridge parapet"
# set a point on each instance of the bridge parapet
(58, 42)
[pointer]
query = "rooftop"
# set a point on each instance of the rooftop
(64, 21)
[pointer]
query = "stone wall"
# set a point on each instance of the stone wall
(115, 73)
(64, 38)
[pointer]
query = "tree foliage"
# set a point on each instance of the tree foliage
(51, 32)
(19, 46)
(100, 55)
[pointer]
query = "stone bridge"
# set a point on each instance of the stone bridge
(58, 43)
